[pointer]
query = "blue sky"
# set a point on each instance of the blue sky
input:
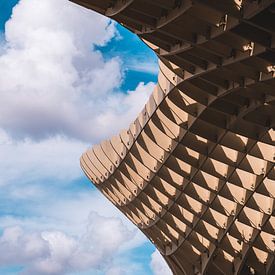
(130, 45)
(6, 10)
(68, 79)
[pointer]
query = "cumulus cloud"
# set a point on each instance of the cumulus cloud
(158, 265)
(59, 95)
(18, 247)
(53, 81)
(54, 252)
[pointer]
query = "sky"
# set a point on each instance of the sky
(69, 78)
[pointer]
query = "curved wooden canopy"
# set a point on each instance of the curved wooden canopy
(195, 171)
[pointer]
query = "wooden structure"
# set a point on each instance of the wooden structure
(195, 171)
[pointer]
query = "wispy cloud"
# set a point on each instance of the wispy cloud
(44, 159)
(142, 66)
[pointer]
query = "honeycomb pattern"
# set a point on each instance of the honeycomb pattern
(195, 171)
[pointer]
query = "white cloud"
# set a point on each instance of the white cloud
(158, 265)
(54, 252)
(127, 269)
(143, 66)
(53, 81)
(26, 160)
(17, 247)
(58, 94)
